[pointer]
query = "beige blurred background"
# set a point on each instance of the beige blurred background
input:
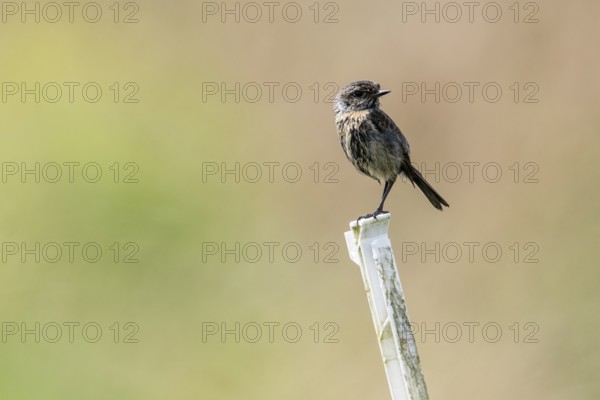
(547, 311)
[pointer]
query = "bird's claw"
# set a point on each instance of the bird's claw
(372, 215)
(363, 217)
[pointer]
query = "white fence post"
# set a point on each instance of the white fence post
(370, 248)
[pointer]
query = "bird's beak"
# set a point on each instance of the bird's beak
(382, 92)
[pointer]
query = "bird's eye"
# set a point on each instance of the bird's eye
(359, 94)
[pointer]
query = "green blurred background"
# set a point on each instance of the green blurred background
(174, 211)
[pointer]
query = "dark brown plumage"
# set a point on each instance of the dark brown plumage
(373, 143)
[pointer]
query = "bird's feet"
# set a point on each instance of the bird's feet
(373, 215)
(363, 217)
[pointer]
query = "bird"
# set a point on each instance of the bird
(374, 144)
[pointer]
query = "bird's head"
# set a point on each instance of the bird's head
(357, 96)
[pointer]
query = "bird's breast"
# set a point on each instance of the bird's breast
(350, 120)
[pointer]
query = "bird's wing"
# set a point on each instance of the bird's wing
(383, 123)
(397, 140)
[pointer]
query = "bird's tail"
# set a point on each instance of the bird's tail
(416, 178)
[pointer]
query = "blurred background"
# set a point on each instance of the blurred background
(174, 198)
